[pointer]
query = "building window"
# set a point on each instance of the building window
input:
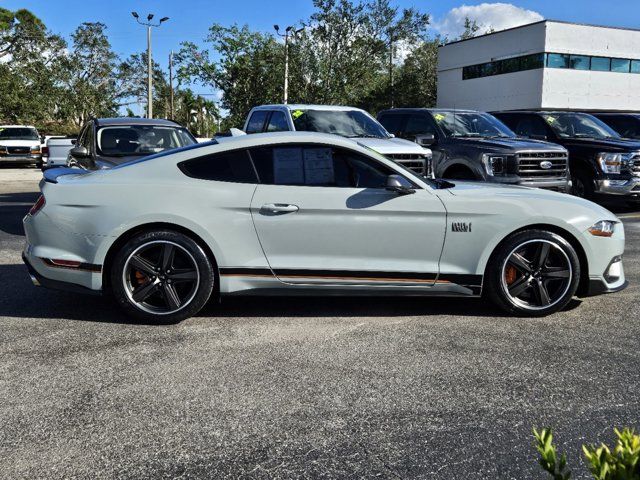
(580, 62)
(621, 65)
(558, 60)
(601, 64)
(551, 60)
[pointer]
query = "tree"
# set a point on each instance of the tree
(417, 77)
(87, 76)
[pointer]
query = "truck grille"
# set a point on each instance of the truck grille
(18, 150)
(532, 164)
(413, 161)
(634, 164)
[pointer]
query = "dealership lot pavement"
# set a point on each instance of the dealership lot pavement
(311, 388)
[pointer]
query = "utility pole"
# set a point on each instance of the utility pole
(287, 33)
(391, 69)
(149, 25)
(171, 85)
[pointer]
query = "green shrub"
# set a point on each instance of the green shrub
(621, 464)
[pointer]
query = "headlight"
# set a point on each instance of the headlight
(609, 162)
(35, 149)
(494, 164)
(3, 149)
(603, 228)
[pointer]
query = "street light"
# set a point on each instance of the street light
(149, 25)
(285, 35)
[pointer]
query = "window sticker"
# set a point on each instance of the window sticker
(288, 166)
(296, 113)
(439, 117)
(549, 119)
(318, 166)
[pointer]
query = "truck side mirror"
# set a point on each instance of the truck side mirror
(79, 152)
(426, 139)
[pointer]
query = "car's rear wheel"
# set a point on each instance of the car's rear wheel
(533, 273)
(162, 277)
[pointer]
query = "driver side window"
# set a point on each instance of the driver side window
(318, 165)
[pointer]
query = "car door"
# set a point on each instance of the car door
(323, 216)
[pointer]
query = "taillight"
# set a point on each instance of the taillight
(45, 151)
(37, 206)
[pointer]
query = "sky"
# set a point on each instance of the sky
(190, 20)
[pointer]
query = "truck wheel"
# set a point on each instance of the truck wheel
(582, 184)
(459, 173)
(533, 273)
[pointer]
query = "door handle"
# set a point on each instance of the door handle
(279, 208)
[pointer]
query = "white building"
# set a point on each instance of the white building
(543, 65)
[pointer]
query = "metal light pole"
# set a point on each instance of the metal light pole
(286, 34)
(149, 25)
(171, 85)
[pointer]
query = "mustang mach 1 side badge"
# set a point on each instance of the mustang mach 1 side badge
(461, 227)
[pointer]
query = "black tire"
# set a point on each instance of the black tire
(168, 272)
(516, 280)
(582, 184)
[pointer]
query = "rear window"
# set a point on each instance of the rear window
(392, 122)
(234, 166)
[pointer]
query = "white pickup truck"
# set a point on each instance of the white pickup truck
(349, 122)
(56, 152)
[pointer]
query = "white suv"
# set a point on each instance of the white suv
(349, 122)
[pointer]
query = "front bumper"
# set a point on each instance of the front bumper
(20, 159)
(556, 184)
(624, 187)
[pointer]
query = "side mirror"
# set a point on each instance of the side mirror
(73, 141)
(79, 152)
(399, 184)
(426, 139)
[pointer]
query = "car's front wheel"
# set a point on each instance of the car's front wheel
(162, 277)
(533, 273)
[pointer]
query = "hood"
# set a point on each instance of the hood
(20, 143)
(527, 196)
(513, 144)
(390, 146)
(609, 144)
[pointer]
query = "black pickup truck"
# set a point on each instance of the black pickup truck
(626, 124)
(471, 145)
(601, 162)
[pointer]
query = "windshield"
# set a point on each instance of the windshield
(466, 124)
(132, 140)
(347, 123)
(578, 125)
(18, 133)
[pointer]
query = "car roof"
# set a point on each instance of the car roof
(434, 110)
(135, 121)
(301, 106)
(17, 126)
(540, 112)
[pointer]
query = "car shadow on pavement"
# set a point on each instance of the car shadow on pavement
(20, 299)
(13, 207)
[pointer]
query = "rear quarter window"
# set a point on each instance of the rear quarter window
(234, 166)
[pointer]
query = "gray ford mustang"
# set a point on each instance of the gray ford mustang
(313, 214)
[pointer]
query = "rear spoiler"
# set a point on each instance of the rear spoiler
(51, 175)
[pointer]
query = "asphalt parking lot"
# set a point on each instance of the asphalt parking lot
(303, 388)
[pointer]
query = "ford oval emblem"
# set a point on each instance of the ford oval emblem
(546, 165)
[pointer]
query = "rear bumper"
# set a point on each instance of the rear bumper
(41, 281)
